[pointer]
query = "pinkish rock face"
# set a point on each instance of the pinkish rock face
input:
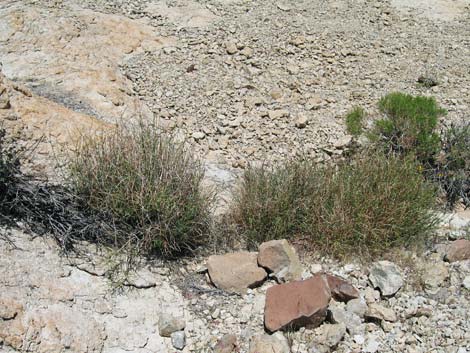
(458, 250)
(300, 303)
(235, 272)
(341, 290)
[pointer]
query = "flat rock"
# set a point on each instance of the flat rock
(341, 290)
(168, 323)
(235, 272)
(330, 334)
(379, 312)
(458, 250)
(299, 303)
(276, 343)
(280, 258)
(385, 276)
(357, 306)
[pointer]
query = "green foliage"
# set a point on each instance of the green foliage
(354, 121)
(147, 184)
(364, 207)
(452, 167)
(409, 126)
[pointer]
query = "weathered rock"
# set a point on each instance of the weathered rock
(341, 290)
(235, 271)
(191, 15)
(357, 306)
(300, 303)
(227, 344)
(178, 339)
(434, 275)
(379, 312)
(458, 250)
(338, 315)
(9, 308)
(466, 282)
(386, 276)
(280, 258)
(330, 334)
(4, 98)
(167, 324)
(275, 343)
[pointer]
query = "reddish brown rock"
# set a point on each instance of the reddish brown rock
(235, 272)
(299, 303)
(279, 257)
(341, 290)
(458, 250)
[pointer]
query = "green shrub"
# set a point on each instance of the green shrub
(147, 184)
(363, 207)
(354, 121)
(409, 126)
(452, 167)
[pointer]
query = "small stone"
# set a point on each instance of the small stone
(386, 276)
(4, 98)
(215, 314)
(231, 47)
(280, 258)
(330, 334)
(247, 52)
(434, 275)
(379, 312)
(198, 135)
(227, 344)
(359, 339)
(168, 324)
(178, 340)
(371, 346)
(357, 306)
(276, 93)
(275, 343)
(371, 295)
(301, 122)
(458, 250)
(466, 282)
(278, 114)
(299, 303)
(9, 308)
(235, 272)
(338, 315)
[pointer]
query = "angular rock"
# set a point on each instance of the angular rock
(379, 312)
(458, 250)
(385, 276)
(338, 315)
(330, 334)
(466, 282)
(227, 344)
(300, 303)
(167, 324)
(235, 272)
(276, 343)
(357, 306)
(279, 257)
(434, 275)
(178, 339)
(341, 290)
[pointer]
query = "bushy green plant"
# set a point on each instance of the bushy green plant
(409, 126)
(452, 167)
(148, 184)
(354, 121)
(366, 206)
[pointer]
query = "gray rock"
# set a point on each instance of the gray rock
(338, 315)
(330, 334)
(167, 324)
(386, 276)
(434, 275)
(178, 339)
(466, 282)
(357, 306)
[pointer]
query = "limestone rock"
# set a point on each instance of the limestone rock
(227, 344)
(9, 308)
(458, 250)
(330, 334)
(4, 98)
(300, 303)
(386, 276)
(276, 343)
(280, 258)
(341, 290)
(338, 315)
(178, 339)
(434, 275)
(357, 306)
(167, 324)
(235, 271)
(379, 312)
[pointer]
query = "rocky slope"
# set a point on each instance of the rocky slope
(241, 81)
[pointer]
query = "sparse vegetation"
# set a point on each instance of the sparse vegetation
(365, 207)
(147, 184)
(354, 121)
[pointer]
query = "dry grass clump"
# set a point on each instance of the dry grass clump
(147, 184)
(363, 207)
